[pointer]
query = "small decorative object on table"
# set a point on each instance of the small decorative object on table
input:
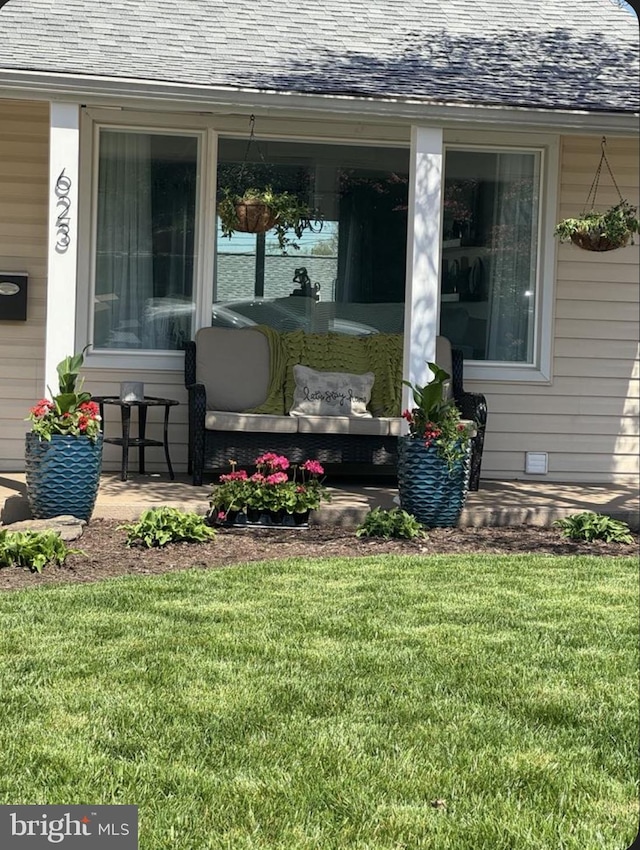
(268, 497)
(433, 459)
(132, 391)
(63, 452)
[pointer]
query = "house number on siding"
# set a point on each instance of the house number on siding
(63, 187)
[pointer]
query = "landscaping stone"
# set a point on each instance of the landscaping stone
(68, 527)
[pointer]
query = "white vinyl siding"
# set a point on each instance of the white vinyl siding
(24, 169)
(587, 418)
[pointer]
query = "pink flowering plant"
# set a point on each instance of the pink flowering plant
(71, 412)
(435, 419)
(276, 485)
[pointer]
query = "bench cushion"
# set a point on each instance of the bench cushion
(222, 420)
(233, 365)
(356, 425)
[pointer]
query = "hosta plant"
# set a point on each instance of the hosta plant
(391, 523)
(589, 526)
(33, 549)
(159, 526)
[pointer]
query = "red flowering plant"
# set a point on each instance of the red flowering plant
(435, 419)
(71, 412)
(269, 488)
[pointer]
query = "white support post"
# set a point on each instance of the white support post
(64, 148)
(424, 247)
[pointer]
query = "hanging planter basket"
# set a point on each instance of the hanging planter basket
(594, 241)
(600, 231)
(260, 207)
(254, 216)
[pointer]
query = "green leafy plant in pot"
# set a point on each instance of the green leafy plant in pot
(63, 451)
(436, 420)
(259, 210)
(433, 459)
(601, 231)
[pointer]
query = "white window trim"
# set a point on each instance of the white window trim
(202, 126)
(539, 371)
(210, 128)
(141, 359)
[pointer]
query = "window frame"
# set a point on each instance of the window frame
(207, 129)
(328, 141)
(138, 359)
(548, 148)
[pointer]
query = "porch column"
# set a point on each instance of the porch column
(424, 245)
(64, 147)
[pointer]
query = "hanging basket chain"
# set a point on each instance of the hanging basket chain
(257, 210)
(590, 203)
(252, 140)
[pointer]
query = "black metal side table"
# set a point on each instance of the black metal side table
(140, 442)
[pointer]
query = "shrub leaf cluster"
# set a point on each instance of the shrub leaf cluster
(33, 549)
(393, 523)
(159, 526)
(589, 526)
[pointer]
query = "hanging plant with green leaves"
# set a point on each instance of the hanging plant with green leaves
(260, 210)
(250, 209)
(594, 230)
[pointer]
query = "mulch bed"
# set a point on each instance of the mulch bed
(107, 556)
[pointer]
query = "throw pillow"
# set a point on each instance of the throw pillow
(330, 393)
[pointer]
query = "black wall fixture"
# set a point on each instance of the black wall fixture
(13, 296)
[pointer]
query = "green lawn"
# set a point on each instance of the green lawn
(325, 705)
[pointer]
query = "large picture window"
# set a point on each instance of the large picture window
(347, 276)
(489, 274)
(144, 274)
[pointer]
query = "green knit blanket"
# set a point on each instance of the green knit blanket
(333, 352)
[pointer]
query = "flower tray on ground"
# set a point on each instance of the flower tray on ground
(265, 519)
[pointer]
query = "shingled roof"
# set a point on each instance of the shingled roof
(553, 54)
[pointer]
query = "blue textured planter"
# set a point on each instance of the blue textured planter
(430, 492)
(62, 475)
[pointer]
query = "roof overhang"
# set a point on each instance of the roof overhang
(174, 97)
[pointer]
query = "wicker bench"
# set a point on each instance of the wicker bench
(227, 373)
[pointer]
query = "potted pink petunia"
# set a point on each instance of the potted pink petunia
(277, 493)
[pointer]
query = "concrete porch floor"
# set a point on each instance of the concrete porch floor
(496, 503)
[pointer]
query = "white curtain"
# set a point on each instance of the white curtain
(512, 259)
(124, 265)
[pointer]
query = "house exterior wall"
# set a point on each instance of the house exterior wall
(24, 170)
(586, 418)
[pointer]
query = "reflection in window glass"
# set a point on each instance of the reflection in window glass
(145, 240)
(489, 257)
(347, 276)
